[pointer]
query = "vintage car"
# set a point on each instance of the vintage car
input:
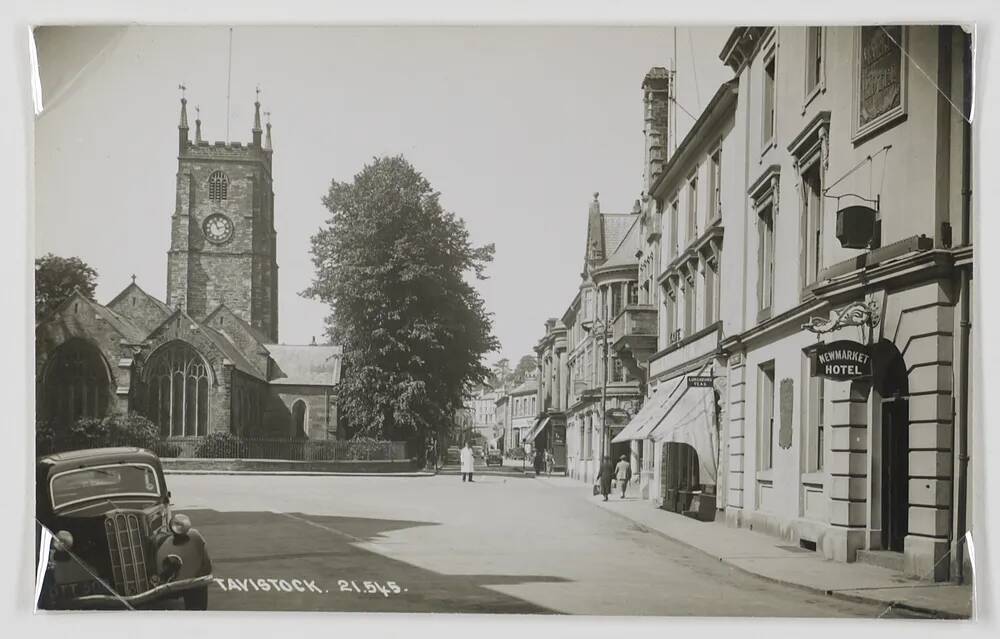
(494, 458)
(114, 540)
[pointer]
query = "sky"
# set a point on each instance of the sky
(517, 127)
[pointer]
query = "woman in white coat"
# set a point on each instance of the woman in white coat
(467, 461)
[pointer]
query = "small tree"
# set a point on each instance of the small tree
(56, 278)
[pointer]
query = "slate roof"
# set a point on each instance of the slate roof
(625, 250)
(123, 326)
(615, 227)
(254, 332)
(528, 386)
(232, 352)
(317, 365)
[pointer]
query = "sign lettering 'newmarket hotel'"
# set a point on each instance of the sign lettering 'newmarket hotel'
(843, 361)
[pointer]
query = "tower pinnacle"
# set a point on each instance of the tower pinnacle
(256, 120)
(197, 124)
(182, 128)
(267, 139)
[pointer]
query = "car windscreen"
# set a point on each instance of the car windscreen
(119, 480)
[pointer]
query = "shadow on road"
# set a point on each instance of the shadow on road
(297, 561)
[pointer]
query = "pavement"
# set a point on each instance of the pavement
(776, 560)
(435, 544)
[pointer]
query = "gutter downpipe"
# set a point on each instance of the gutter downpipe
(964, 323)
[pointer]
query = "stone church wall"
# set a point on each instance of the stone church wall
(320, 413)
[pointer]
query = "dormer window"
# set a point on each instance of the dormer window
(218, 186)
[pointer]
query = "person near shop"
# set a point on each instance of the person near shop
(623, 473)
(539, 461)
(466, 457)
(550, 462)
(604, 477)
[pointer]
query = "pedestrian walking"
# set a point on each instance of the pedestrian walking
(467, 460)
(623, 473)
(604, 477)
(539, 462)
(550, 462)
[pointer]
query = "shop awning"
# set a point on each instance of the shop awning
(691, 420)
(539, 426)
(651, 412)
(676, 413)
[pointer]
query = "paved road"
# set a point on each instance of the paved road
(434, 544)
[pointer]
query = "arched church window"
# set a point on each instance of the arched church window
(218, 186)
(75, 383)
(178, 391)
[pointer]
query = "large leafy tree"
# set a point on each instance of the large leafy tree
(55, 279)
(395, 268)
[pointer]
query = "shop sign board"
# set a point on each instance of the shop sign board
(700, 381)
(843, 360)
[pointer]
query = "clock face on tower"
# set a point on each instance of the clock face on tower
(218, 228)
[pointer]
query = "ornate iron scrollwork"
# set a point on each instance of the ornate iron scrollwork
(854, 314)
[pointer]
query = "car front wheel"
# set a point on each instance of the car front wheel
(196, 599)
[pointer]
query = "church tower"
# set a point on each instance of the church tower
(222, 241)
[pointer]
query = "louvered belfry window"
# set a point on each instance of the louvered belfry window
(218, 186)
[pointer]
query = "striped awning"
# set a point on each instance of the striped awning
(539, 426)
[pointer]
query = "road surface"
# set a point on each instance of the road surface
(436, 544)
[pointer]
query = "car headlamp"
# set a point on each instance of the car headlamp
(64, 540)
(180, 524)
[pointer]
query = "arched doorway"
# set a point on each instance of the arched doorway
(299, 419)
(177, 383)
(76, 383)
(892, 394)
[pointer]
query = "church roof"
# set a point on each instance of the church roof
(313, 365)
(232, 352)
(128, 330)
(228, 349)
(135, 287)
(148, 315)
(245, 325)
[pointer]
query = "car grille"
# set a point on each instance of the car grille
(128, 562)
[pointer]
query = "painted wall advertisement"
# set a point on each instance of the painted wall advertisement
(879, 72)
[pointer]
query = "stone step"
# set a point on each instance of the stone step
(882, 558)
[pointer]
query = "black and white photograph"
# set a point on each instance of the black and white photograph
(666, 320)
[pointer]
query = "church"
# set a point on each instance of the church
(207, 359)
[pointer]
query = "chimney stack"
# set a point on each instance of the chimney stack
(656, 94)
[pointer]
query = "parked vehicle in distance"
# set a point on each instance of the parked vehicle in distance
(494, 458)
(453, 456)
(478, 452)
(112, 539)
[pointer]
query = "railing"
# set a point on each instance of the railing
(226, 446)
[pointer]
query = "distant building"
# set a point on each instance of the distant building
(206, 360)
(577, 347)
(523, 410)
(481, 410)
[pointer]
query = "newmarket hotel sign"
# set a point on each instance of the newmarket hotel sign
(843, 361)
